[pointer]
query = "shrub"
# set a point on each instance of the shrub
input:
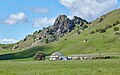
(108, 26)
(117, 33)
(100, 20)
(78, 32)
(84, 27)
(24, 39)
(78, 29)
(39, 31)
(117, 22)
(97, 30)
(39, 38)
(116, 28)
(4, 47)
(39, 56)
(92, 32)
(35, 32)
(50, 31)
(114, 24)
(46, 40)
(103, 31)
(65, 39)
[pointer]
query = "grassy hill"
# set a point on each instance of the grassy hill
(6, 46)
(73, 43)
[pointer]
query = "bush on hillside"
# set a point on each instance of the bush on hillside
(40, 38)
(24, 39)
(51, 32)
(116, 28)
(114, 24)
(78, 32)
(108, 26)
(92, 32)
(117, 22)
(97, 30)
(103, 31)
(35, 32)
(100, 20)
(46, 40)
(39, 31)
(65, 39)
(84, 27)
(117, 33)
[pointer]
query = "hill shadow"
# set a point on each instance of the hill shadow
(23, 54)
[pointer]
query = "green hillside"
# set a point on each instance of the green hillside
(6, 46)
(89, 41)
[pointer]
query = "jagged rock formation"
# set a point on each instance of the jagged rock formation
(62, 26)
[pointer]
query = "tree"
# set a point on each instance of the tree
(97, 30)
(114, 24)
(39, 31)
(117, 22)
(46, 40)
(78, 32)
(100, 20)
(103, 31)
(84, 27)
(92, 32)
(108, 26)
(116, 28)
(39, 56)
(78, 29)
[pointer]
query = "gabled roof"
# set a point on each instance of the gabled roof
(57, 54)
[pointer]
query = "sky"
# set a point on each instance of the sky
(18, 18)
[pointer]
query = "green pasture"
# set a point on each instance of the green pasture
(86, 67)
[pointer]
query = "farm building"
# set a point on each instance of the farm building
(57, 56)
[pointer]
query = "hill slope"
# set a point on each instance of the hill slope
(100, 36)
(61, 27)
(6, 46)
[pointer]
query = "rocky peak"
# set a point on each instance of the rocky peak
(63, 24)
(61, 27)
(60, 19)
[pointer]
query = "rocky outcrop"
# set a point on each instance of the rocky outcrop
(61, 27)
(63, 24)
(79, 21)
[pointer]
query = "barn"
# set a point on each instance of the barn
(57, 56)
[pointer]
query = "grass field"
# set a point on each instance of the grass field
(86, 67)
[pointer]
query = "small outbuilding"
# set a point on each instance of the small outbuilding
(57, 56)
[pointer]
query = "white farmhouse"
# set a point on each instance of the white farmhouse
(57, 56)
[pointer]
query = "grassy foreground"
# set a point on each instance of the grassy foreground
(86, 67)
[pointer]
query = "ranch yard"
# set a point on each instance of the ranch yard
(71, 67)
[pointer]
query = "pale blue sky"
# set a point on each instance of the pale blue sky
(19, 18)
